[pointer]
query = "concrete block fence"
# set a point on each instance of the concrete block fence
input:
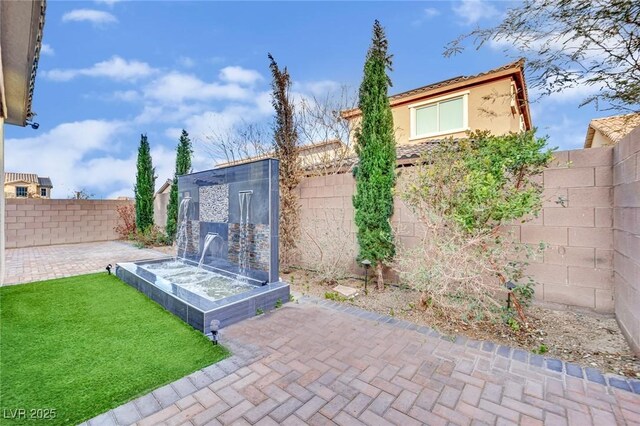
(41, 222)
(590, 221)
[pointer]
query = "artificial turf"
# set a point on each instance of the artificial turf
(86, 344)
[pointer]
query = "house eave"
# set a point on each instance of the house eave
(21, 24)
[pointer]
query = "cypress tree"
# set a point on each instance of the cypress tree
(183, 166)
(145, 186)
(375, 146)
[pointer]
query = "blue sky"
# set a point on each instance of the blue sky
(111, 70)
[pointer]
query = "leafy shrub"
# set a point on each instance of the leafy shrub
(126, 227)
(464, 193)
(152, 237)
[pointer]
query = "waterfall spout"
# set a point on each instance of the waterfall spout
(208, 239)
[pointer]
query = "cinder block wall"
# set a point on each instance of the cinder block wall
(576, 222)
(626, 236)
(577, 267)
(41, 222)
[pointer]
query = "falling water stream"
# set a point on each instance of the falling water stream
(181, 235)
(208, 239)
(243, 255)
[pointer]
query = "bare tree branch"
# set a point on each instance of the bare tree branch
(572, 43)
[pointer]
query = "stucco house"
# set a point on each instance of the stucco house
(26, 185)
(609, 131)
(160, 203)
(309, 154)
(494, 100)
(21, 24)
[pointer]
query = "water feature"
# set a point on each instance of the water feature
(181, 232)
(210, 238)
(226, 263)
(243, 255)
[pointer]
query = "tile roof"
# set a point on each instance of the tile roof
(615, 127)
(10, 177)
(403, 153)
(20, 177)
(399, 96)
(444, 83)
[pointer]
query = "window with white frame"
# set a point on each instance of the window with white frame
(43, 192)
(439, 116)
(21, 191)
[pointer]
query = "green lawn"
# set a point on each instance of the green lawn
(85, 344)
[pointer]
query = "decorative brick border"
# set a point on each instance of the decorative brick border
(516, 354)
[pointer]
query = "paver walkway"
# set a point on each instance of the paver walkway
(41, 263)
(311, 364)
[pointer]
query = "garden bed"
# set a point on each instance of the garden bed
(80, 346)
(587, 339)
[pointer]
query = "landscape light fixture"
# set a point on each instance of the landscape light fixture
(108, 268)
(366, 263)
(510, 286)
(215, 325)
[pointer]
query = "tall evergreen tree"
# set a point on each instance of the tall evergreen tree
(183, 166)
(285, 141)
(145, 186)
(376, 149)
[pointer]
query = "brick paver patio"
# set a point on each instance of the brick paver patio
(41, 263)
(319, 363)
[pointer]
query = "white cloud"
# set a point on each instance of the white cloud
(109, 3)
(96, 17)
(46, 49)
(186, 62)
(84, 154)
(239, 75)
(473, 11)
(177, 87)
(115, 68)
(316, 88)
(61, 154)
(126, 95)
(426, 15)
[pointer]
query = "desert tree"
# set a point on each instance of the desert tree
(376, 149)
(145, 186)
(285, 146)
(572, 43)
(240, 142)
(319, 119)
(183, 166)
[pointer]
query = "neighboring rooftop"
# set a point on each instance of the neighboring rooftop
(305, 150)
(515, 69)
(612, 129)
(10, 177)
(405, 155)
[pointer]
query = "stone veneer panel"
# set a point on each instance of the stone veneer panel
(214, 203)
(258, 239)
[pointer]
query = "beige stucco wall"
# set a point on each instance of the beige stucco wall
(489, 108)
(160, 203)
(600, 140)
(577, 268)
(626, 235)
(40, 222)
(32, 189)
